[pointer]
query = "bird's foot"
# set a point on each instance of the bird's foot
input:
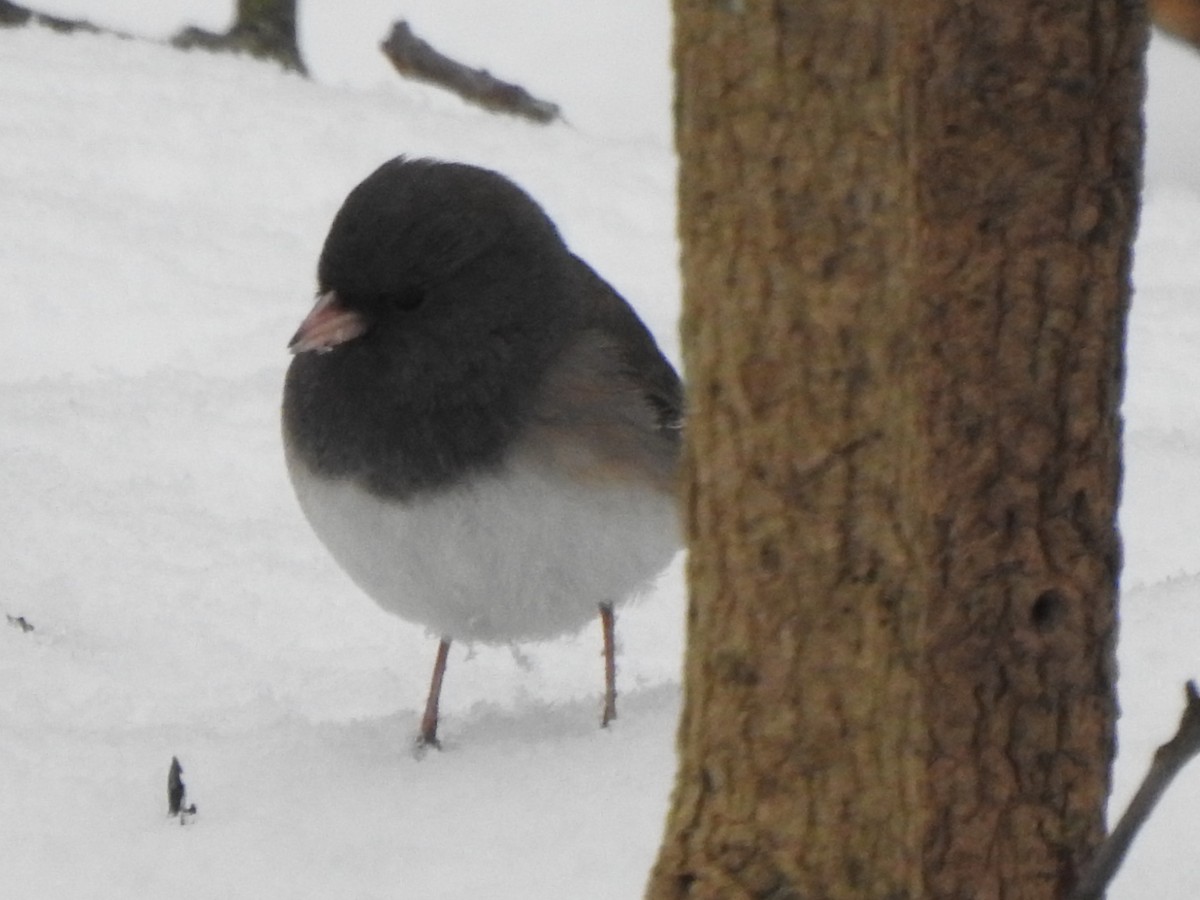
(423, 743)
(610, 711)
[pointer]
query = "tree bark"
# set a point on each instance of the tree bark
(906, 244)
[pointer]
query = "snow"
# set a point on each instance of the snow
(162, 214)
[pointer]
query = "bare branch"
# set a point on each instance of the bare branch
(269, 40)
(1169, 759)
(415, 58)
(13, 15)
(263, 28)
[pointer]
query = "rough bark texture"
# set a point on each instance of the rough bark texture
(801, 740)
(1028, 159)
(906, 235)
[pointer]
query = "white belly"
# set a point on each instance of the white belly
(523, 556)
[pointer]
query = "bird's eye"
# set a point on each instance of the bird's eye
(406, 299)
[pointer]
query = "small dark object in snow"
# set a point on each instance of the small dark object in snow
(14, 15)
(177, 793)
(175, 789)
(19, 622)
(415, 58)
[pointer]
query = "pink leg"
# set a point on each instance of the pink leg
(429, 722)
(610, 665)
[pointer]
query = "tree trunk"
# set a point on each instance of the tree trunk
(906, 233)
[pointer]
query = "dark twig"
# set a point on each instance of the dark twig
(269, 41)
(607, 620)
(175, 789)
(177, 804)
(13, 15)
(19, 622)
(1168, 760)
(260, 43)
(415, 58)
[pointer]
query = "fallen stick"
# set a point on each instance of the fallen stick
(415, 58)
(13, 15)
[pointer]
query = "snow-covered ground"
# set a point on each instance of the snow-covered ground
(160, 218)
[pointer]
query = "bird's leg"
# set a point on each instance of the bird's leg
(610, 665)
(429, 721)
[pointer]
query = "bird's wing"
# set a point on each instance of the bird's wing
(611, 405)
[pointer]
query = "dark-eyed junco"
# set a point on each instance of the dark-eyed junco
(477, 426)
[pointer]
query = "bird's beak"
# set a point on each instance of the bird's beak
(327, 325)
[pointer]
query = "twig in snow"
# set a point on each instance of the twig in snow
(177, 804)
(19, 622)
(1168, 760)
(260, 43)
(272, 40)
(415, 58)
(14, 15)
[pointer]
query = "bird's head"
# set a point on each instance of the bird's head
(429, 256)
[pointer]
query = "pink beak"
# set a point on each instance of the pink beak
(327, 325)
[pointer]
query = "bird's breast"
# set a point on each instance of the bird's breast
(519, 553)
(348, 418)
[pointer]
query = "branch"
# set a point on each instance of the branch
(263, 44)
(241, 39)
(1168, 760)
(414, 58)
(13, 15)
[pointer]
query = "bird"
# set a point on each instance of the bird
(477, 426)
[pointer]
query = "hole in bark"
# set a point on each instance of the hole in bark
(769, 557)
(1048, 610)
(734, 668)
(1010, 523)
